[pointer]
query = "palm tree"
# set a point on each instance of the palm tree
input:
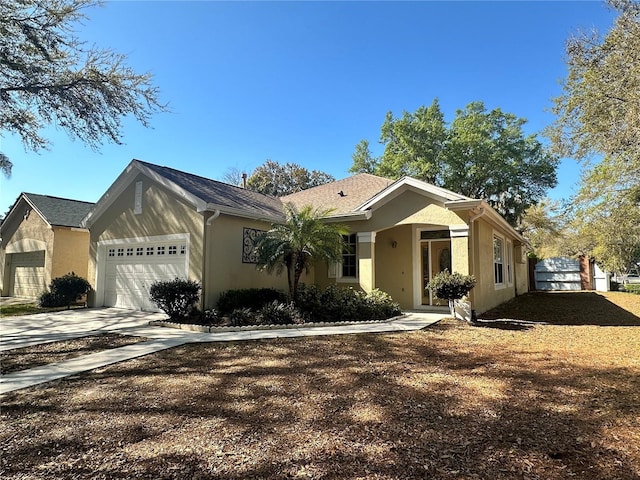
(298, 242)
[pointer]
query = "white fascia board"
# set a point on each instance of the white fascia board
(497, 219)
(14, 210)
(125, 179)
(464, 204)
(350, 216)
(439, 194)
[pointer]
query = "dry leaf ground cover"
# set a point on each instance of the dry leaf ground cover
(46, 353)
(450, 402)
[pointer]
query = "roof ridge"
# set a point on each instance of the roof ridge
(206, 178)
(56, 197)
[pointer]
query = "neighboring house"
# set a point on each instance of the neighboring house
(41, 239)
(158, 223)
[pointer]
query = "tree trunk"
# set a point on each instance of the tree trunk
(452, 307)
(291, 274)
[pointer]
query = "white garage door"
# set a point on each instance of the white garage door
(27, 274)
(132, 268)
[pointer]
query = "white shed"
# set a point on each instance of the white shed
(567, 273)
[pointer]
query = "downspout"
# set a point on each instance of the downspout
(205, 255)
(481, 211)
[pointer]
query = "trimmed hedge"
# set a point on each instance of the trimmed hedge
(64, 291)
(251, 298)
(264, 306)
(338, 304)
(177, 298)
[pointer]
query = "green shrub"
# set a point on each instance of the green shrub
(451, 287)
(632, 288)
(176, 298)
(50, 300)
(64, 291)
(251, 298)
(382, 305)
(241, 317)
(276, 313)
(210, 316)
(337, 304)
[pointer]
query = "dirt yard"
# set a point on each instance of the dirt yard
(509, 400)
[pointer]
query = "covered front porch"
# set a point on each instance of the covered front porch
(401, 261)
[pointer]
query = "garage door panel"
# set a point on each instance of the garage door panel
(27, 274)
(128, 278)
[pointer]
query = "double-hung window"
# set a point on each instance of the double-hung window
(349, 256)
(498, 260)
(509, 263)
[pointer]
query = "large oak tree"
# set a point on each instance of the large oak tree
(48, 76)
(273, 178)
(598, 120)
(480, 154)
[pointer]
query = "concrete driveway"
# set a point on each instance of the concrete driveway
(27, 330)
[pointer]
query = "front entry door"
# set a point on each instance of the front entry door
(435, 257)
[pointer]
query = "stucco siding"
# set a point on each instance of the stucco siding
(163, 213)
(23, 234)
(225, 269)
(70, 252)
(487, 294)
(394, 270)
(411, 208)
(522, 277)
(460, 255)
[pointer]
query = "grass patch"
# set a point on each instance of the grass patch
(29, 357)
(571, 308)
(451, 402)
(30, 309)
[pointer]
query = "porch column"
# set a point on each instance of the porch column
(366, 260)
(460, 249)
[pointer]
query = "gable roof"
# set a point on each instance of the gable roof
(342, 196)
(364, 192)
(56, 211)
(203, 193)
(220, 194)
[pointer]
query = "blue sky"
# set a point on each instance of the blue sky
(304, 82)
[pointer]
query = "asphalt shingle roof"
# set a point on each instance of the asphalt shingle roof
(356, 190)
(219, 193)
(62, 212)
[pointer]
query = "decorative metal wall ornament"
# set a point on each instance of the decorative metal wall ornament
(249, 236)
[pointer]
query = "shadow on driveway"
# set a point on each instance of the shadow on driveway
(564, 308)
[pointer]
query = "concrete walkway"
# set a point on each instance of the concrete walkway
(17, 332)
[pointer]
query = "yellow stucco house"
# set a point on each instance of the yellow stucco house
(41, 239)
(156, 223)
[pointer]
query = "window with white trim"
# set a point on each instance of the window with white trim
(509, 263)
(349, 256)
(498, 260)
